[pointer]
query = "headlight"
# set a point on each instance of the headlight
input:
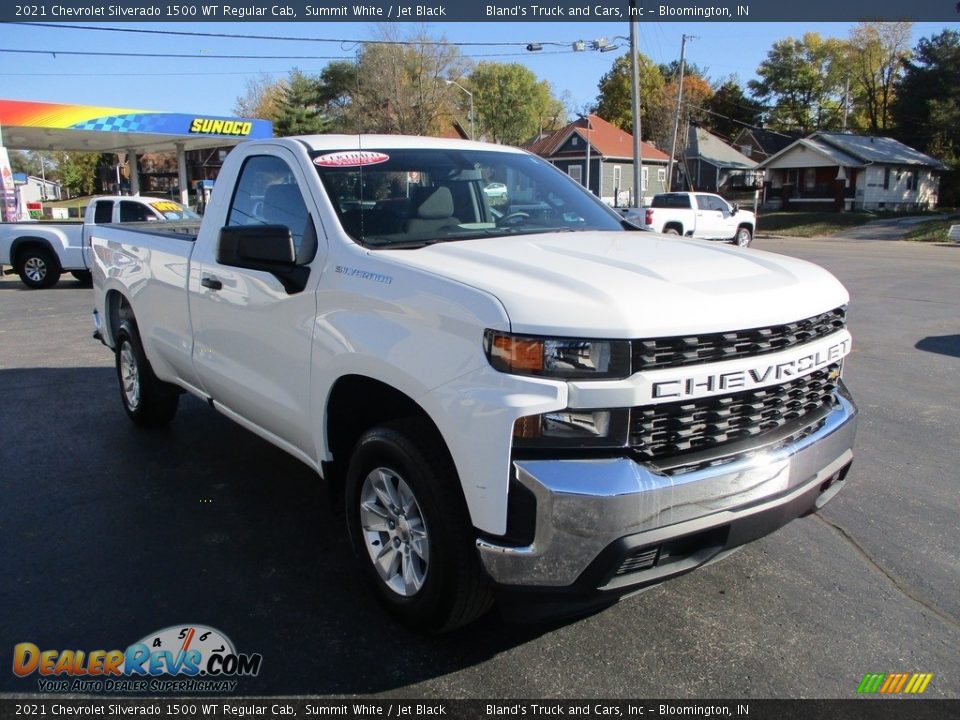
(572, 429)
(562, 358)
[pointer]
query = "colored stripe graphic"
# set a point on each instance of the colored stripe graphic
(894, 683)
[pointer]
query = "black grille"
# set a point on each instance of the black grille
(672, 429)
(694, 349)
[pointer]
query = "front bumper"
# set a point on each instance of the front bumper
(613, 525)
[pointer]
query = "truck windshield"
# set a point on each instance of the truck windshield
(414, 197)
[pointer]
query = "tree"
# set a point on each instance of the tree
(876, 53)
(696, 94)
(731, 110)
(300, 110)
(511, 104)
(262, 98)
(78, 170)
(804, 81)
(402, 87)
(926, 111)
(24, 161)
(614, 100)
(337, 87)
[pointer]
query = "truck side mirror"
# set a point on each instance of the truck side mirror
(735, 209)
(257, 247)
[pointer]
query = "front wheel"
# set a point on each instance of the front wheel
(744, 237)
(149, 402)
(410, 531)
(38, 268)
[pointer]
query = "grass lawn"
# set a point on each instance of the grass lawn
(933, 231)
(810, 224)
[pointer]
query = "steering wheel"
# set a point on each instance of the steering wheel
(513, 218)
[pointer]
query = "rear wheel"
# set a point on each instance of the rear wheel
(37, 267)
(744, 237)
(149, 402)
(410, 530)
(671, 231)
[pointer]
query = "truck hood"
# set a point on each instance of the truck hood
(631, 284)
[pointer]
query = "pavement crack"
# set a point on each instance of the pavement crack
(899, 584)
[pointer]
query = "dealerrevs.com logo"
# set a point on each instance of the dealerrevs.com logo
(182, 658)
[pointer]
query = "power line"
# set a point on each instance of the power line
(285, 38)
(200, 56)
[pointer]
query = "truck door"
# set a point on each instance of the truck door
(712, 212)
(253, 335)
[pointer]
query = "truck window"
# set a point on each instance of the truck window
(671, 200)
(712, 202)
(103, 212)
(267, 194)
(131, 211)
(412, 197)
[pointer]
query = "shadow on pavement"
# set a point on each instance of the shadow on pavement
(111, 533)
(941, 344)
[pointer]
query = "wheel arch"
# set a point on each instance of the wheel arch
(118, 310)
(25, 242)
(675, 225)
(355, 404)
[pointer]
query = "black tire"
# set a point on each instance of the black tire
(37, 267)
(149, 402)
(671, 231)
(84, 277)
(453, 589)
(744, 237)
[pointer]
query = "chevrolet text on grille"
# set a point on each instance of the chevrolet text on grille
(707, 383)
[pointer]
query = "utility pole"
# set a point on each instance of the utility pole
(676, 117)
(635, 109)
(846, 102)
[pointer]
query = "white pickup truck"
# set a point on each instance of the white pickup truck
(39, 252)
(697, 215)
(531, 403)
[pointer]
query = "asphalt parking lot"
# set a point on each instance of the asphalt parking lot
(109, 533)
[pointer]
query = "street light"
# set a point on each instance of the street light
(473, 135)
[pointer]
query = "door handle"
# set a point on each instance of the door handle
(211, 282)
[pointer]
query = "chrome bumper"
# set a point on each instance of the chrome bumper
(583, 506)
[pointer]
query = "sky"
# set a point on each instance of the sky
(204, 85)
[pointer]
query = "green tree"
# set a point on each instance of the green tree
(803, 80)
(614, 100)
(731, 110)
(511, 104)
(78, 170)
(300, 109)
(926, 111)
(876, 53)
(337, 87)
(24, 161)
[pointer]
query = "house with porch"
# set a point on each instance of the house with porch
(841, 171)
(610, 153)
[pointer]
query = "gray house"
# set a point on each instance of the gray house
(852, 172)
(611, 159)
(713, 166)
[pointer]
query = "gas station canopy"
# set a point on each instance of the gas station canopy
(27, 125)
(30, 125)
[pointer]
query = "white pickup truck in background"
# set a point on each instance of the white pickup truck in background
(698, 215)
(39, 252)
(535, 402)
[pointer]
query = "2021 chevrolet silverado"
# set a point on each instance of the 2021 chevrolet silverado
(530, 402)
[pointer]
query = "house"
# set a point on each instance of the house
(610, 149)
(35, 189)
(713, 166)
(853, 172)
(759, 143)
